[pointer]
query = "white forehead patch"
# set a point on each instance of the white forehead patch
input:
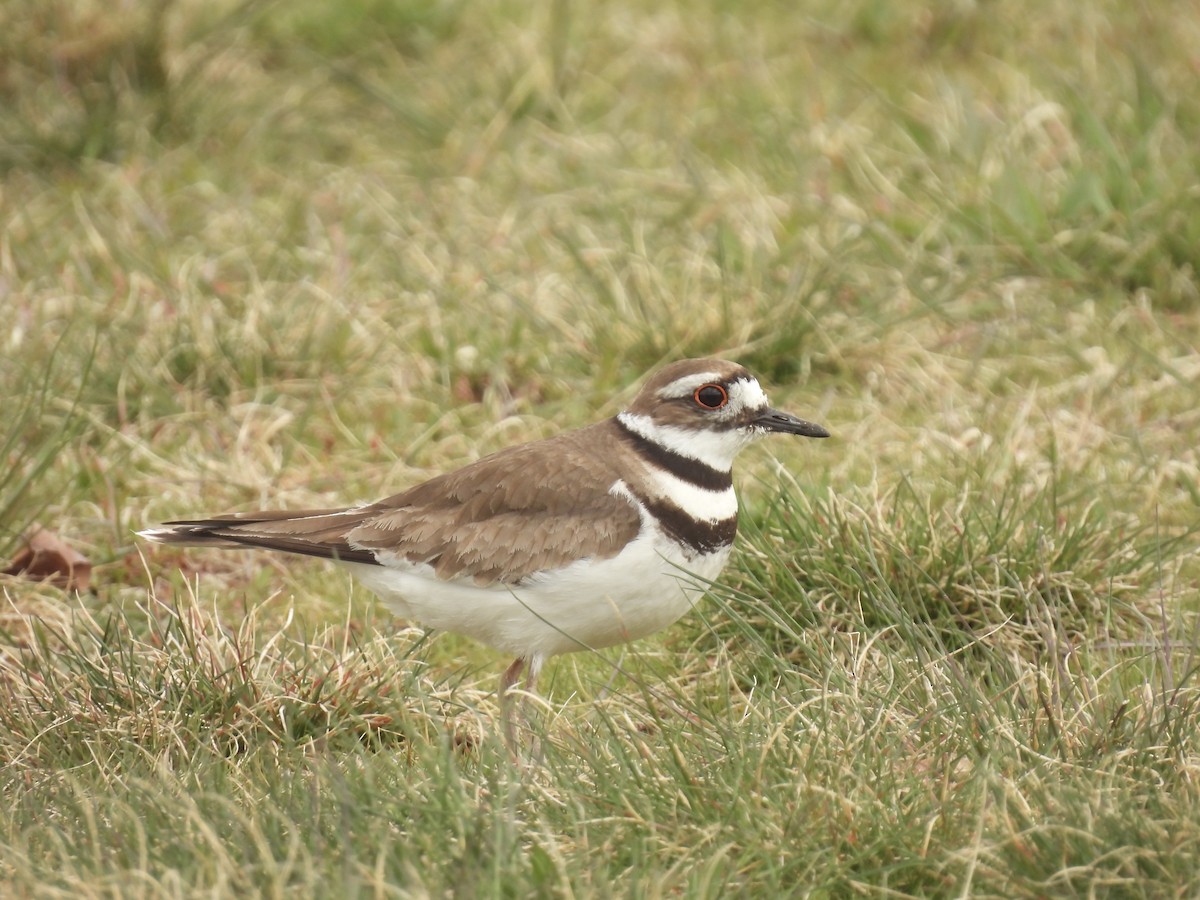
(748, 394)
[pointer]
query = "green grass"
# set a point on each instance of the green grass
(262, 254)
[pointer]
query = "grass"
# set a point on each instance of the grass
(252, 256)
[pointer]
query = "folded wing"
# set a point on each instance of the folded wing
(501, 520)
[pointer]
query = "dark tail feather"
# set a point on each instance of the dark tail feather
(319, 533)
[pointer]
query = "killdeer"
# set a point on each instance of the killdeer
(580, 541)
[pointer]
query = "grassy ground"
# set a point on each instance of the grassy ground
(301, 254)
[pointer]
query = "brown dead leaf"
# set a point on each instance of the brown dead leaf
(470, 388)
(46, 557)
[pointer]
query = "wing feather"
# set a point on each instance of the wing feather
(501, 520)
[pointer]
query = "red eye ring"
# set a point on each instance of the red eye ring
(711, 396)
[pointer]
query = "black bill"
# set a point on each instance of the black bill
(786, 423)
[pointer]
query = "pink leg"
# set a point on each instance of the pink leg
(531, 677)
(507, 680)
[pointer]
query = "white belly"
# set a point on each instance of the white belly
(588, 604)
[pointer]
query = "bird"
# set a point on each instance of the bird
(580, 541)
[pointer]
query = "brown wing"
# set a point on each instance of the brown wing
(518, 512)
(500, 520)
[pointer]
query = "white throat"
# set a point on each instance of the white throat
(715, 448)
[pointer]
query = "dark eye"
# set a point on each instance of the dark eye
(711, 396)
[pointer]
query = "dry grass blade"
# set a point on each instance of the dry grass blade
(303, 254)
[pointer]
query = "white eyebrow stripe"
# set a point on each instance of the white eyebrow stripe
(686, 386)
